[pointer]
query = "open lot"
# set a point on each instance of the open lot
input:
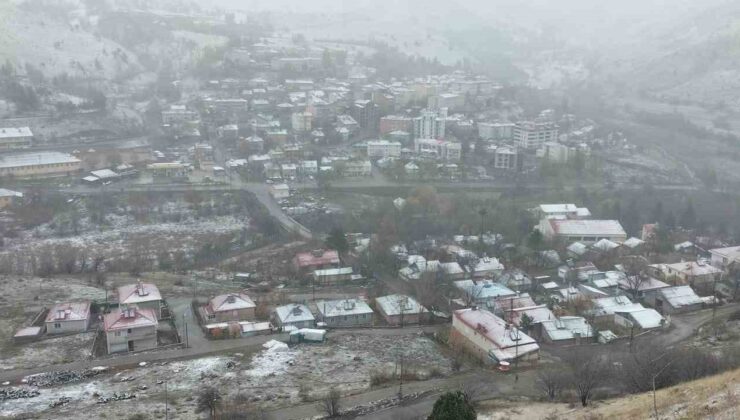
(273, 377)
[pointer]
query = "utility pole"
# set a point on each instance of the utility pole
(166, 402)
(655, 401)
(400, 376)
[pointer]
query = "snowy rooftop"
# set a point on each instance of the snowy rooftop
(11, 132)
(138, 292)
(294, 312)
(230, 302)
(587, 227)
(680, 296)
(132, 317)
(69, 311)
(506, 339)
(10, 193)
(341, 307)
(397, 304)
(36, 158)
(485, 289)
(333, 272)
(645, 318)
(566, 327)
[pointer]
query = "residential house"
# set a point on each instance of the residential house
(401, 310)
(699, 274)
(130, 328)
(640, 319)
(676, 299)
(452, 271)
(482, 292)
(292, 316)
(332, 276)
(143, 295)
(230, 307)
(345, 313)
(722, 257)
(486, 267)
(641, 286)
(516, 280)
(69, 317)
(308, 262)
(418, 269)
(566, 330)
(627, 314)
(491, 339)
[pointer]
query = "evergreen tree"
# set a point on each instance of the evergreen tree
(337, 240)
(453, 406)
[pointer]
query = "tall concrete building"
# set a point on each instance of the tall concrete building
(532, 135)
(430, 124)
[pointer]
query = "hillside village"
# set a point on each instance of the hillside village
(203, 216)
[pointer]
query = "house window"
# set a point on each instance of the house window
(118, 334)
(128, 331)
(57, 325)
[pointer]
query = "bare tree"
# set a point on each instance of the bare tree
(427, 289)
(587, 372)
(633, 284)
(551, 382)
(208, 400)
(330, 403)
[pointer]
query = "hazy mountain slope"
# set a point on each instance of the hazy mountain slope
(56, 42)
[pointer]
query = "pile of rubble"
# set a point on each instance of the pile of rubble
(62, 401)
(373, 406)
(116, 397)
(15, 393)
(59, 377)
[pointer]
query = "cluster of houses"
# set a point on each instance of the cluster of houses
(503, 314)
(131, 325)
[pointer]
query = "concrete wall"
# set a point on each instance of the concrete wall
(246, 314)
(142, 337)
(349, 320)
(66, 326)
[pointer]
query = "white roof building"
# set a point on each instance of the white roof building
(501, 341)
(680, 296)
(567, 328)
(294, 312)
(342, 307)
(138, 293)
(393, 305)
(483, 290)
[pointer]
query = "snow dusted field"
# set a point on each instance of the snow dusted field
(270, 378)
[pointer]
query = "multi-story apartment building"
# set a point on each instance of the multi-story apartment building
(532, 135)
(430, 124)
